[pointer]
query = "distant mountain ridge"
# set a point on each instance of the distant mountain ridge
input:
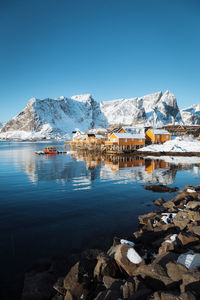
(53, 118)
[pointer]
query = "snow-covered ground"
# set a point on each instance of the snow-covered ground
(187, 144)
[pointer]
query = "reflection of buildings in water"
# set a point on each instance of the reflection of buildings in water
(64, 168)
(145, 170)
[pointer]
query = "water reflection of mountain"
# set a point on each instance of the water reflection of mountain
(81, 169)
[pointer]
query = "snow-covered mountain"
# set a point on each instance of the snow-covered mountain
(51, 118)
(1, 125)
(156, 109)
(191, 115)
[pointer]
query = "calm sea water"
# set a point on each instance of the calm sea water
(60, 204)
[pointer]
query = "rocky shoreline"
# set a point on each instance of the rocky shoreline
(160, 261)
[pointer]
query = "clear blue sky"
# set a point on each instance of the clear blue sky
(109, 48)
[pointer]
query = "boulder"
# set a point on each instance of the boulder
(169, 204)
(127, 258)
(144, 218)
(193, 228)
(81, 272)
(192, 204)
(106, 266)
(190, 283)
(155, 274)
(79, 280)
(181, 220)
(186, 238)
(159, 202)
(166, 247)
(175, 271)
(112, 283)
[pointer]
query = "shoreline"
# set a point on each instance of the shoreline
(160, 261)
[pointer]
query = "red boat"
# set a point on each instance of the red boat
(50, 150)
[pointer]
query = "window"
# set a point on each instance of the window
(158, 136)
(125, 140)
(140, 140)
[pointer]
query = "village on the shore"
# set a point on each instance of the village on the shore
(125, 139)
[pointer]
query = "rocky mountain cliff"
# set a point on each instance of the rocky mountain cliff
(191, 115)
(53, 118)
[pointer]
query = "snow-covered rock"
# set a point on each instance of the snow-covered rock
(191, 115)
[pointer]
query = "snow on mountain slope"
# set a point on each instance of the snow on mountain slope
(53, 118)
(155, 109)
(191, 115)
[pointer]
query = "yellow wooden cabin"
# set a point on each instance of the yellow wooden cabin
(126, 141)
(157, 136)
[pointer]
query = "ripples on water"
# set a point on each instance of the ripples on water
(59, 204)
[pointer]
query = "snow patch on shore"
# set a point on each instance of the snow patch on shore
(179, 144)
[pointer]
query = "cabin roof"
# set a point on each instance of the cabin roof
(159, 131)
(115, 130)
(129, 136)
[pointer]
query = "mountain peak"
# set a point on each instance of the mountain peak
(82, 97)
